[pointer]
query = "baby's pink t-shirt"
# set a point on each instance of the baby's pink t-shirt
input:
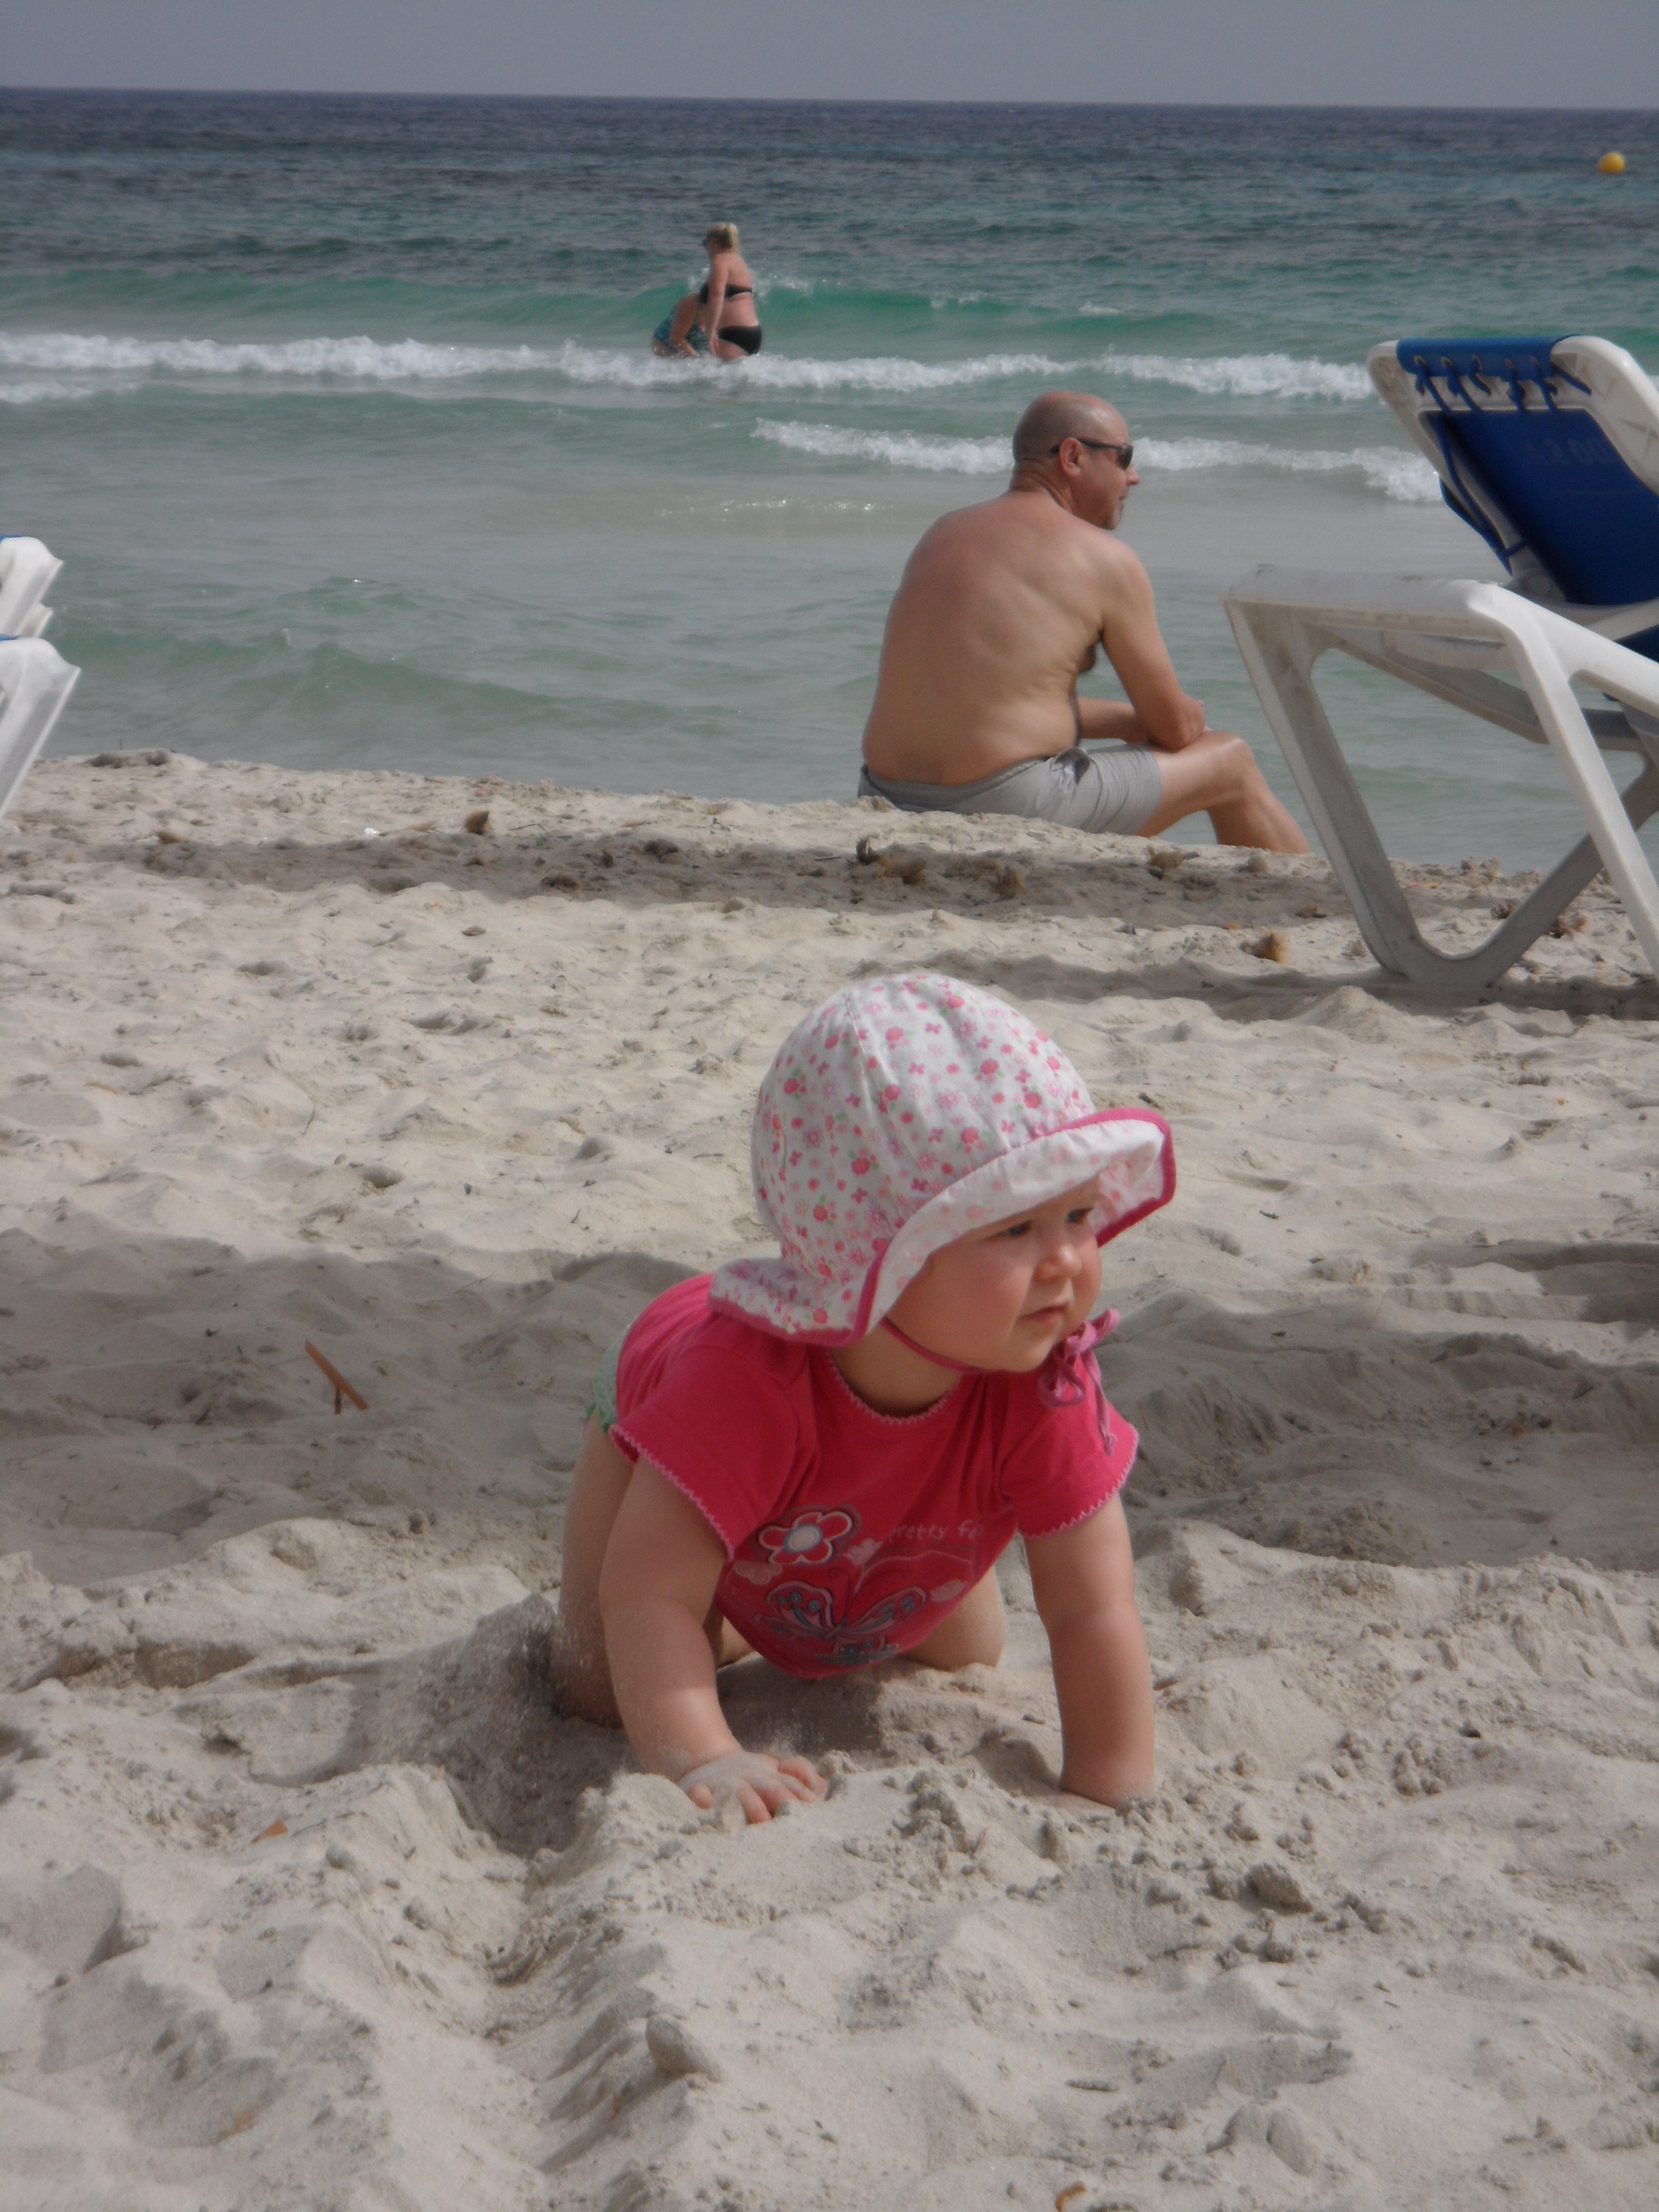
(850, 1534)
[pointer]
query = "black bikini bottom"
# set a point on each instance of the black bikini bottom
(746, 335)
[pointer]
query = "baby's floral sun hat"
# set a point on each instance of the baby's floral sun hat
(907, 1111)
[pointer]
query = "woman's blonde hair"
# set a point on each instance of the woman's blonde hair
(723, 235)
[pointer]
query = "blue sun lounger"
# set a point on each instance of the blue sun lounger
(1548, 448)
(35, 680)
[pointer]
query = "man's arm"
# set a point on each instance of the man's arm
(1109, 717)
(1160, 713)
(1083, 1581)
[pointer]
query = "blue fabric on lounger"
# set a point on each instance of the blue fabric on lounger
(1549, 449)
(1571, 498)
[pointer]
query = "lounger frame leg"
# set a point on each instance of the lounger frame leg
(1282, 640)
(1548, 674)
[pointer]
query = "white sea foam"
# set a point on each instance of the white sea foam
(405, 361)
(100, 363)
(966, 456)
(891, 372)
(28, 395)
(412, 360)
(1399, 476)
(357, 357)
(1245, 375)
(776, 372)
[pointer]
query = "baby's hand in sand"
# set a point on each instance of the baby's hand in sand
(761, 1785)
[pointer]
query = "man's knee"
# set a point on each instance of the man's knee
(1233, 763)
(1217, 770)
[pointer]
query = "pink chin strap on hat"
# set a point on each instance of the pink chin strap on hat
(904, 1113)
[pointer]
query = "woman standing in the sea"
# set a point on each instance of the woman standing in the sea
(723, 311)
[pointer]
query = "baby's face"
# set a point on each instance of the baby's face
(1002, 1298)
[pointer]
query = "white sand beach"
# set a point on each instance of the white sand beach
(308, 1898)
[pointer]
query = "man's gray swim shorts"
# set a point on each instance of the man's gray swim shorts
(1116, 787)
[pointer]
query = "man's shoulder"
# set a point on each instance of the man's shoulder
(1108, 562)
(964, 522)
(998, 526)
(1032, 516)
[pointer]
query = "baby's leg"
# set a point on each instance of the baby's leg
(581, 1673)
(727, 1646)
(974, 1634)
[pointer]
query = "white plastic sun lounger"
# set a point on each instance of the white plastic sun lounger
(35, 682)
(1550, 450)
(27, 570)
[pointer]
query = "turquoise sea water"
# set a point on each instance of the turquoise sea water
(341, 411)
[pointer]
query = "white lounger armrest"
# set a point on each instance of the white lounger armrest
(27, 571)
(35, 682)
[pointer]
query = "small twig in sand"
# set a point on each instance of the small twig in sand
(343, 1390)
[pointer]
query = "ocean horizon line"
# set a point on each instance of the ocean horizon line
(1440, 109)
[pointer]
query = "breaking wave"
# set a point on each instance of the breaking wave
(405, 361)
(1245, 375)
(1397, 476)
(28, 395)
(904, 449)
(359, 357)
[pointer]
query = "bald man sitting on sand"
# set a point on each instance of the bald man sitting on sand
(1001, 608)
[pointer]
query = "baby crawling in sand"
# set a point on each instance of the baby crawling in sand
(821, 1457)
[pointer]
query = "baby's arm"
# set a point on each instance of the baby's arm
(656, 1590)
(1083, 1581)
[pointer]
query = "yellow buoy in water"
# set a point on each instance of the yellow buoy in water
(1612, 165)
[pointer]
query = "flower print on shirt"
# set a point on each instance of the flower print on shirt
(813, 1615)
(810, 1540)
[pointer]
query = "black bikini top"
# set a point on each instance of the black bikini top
(732, 292)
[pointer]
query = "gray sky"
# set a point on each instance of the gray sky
(1568, 53)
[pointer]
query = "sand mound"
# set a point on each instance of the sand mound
(295, 1950)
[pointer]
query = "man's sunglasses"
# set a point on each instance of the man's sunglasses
(1125, 453)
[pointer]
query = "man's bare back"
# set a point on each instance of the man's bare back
(1003, 606)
